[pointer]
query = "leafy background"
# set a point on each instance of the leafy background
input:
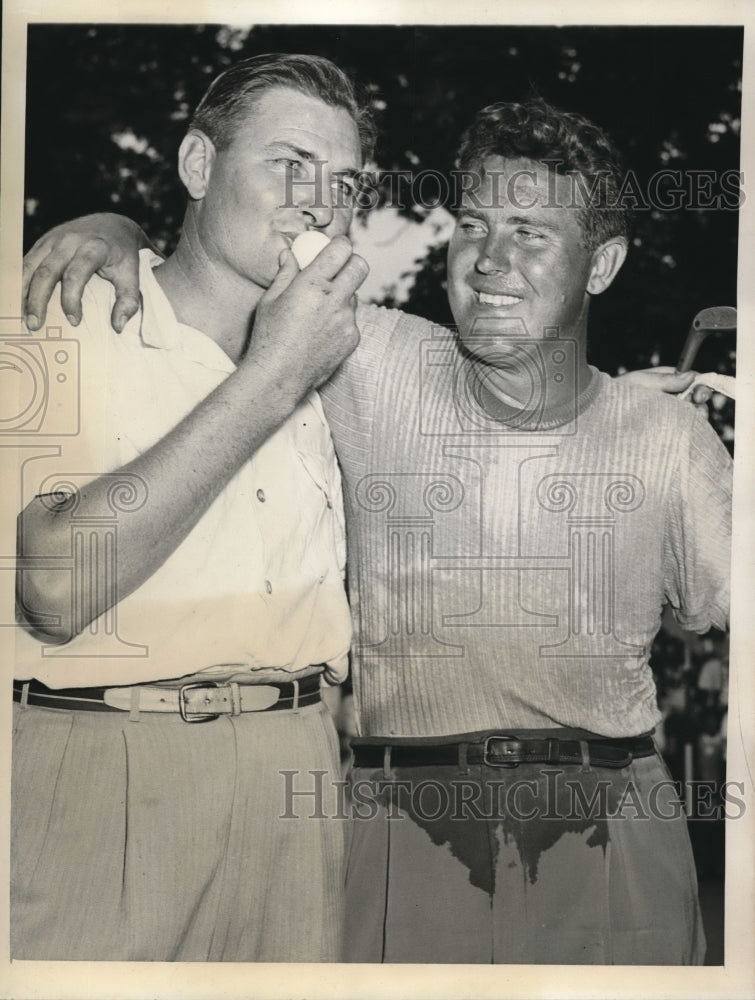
(107, 106)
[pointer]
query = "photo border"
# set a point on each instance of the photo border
(184, 981)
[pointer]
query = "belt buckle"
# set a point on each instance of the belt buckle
(498, 763)
(183, 707)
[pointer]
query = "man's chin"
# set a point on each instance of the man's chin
(480, 333)
(261, 278)
(495, 348)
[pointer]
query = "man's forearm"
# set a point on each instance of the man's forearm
(183, 473)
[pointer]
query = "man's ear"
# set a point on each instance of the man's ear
(196, 155)
(606, 264)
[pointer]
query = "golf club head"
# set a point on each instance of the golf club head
(714, 319)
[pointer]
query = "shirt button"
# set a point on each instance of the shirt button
(261, 496)
(268, 587)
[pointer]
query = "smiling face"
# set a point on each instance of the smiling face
(517, 263)
(252, 198)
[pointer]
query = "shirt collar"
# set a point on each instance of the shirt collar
(159, 328)
(541, 418)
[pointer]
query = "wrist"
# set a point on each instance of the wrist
(262, 377)
(278, 375)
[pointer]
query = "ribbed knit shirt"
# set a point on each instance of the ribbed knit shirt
(509, 569)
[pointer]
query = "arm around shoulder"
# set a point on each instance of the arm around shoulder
(72, 253)
(698, 530)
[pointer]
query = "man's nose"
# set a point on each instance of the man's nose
(314, 196)
(495, 255)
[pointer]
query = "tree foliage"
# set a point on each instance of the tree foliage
(107, 106)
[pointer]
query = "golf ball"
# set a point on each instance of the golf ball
(307, 245)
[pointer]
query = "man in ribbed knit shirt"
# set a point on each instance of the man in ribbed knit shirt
(517, 521)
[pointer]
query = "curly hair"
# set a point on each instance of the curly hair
(565, 142)
(234, 93)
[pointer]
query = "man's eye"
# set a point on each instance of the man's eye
(288, 162)
(344, 188)
(470, 228)
(530, 235)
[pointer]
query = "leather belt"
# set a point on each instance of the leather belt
(196, 702)
(504, 750)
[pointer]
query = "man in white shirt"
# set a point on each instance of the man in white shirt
(181, 559)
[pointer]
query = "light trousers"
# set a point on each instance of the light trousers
(157, 840)
(488, 864)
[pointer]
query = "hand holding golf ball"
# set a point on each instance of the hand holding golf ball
(307, 245)
(305, 322)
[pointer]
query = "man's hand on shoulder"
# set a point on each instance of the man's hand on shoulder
(103, 244)
(668, 379)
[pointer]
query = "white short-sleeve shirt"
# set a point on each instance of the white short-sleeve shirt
(258, 583)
